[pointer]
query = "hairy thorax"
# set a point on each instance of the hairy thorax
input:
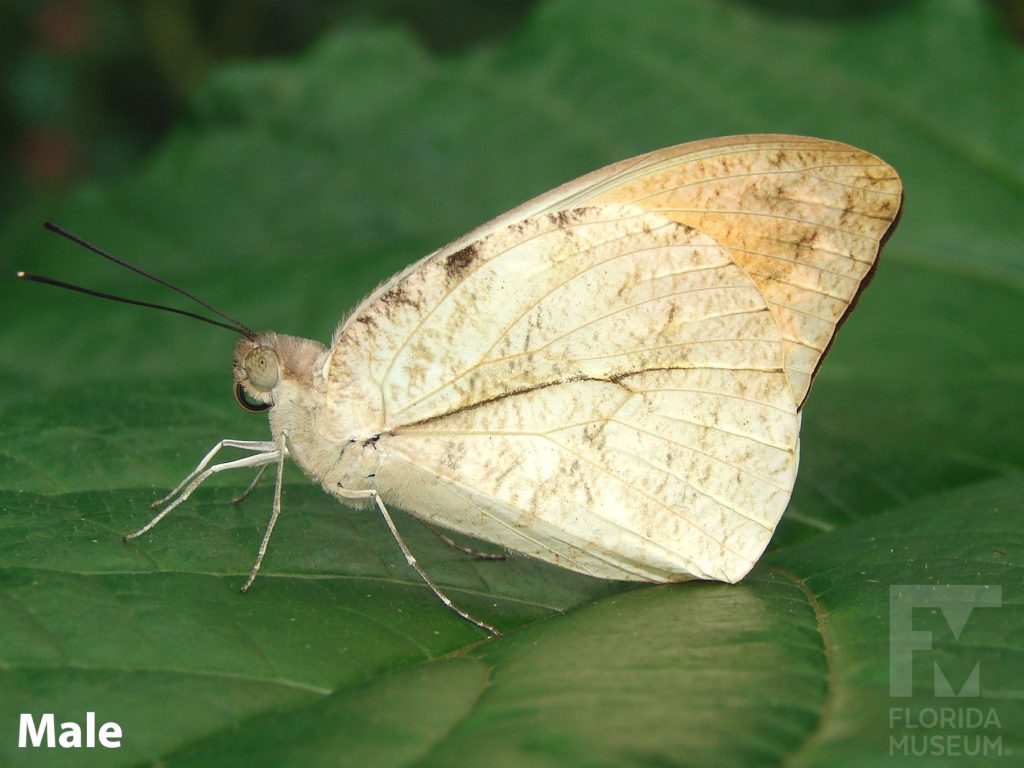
(332, 442)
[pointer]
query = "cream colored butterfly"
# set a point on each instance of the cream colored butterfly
(609, 377)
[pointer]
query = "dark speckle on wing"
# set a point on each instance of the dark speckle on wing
(456, 263)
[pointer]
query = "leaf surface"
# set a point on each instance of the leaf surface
(292, 189)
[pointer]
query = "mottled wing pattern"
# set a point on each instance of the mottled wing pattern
(655, 476)
(610, 376)
(601, 387)
(803, 217)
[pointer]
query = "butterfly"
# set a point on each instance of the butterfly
(609, 377)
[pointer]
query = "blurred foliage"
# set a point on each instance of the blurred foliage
(88, 86)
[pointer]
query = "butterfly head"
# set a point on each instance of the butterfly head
(270, 369)
(256, 371)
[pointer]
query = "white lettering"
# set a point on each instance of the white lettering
(944, 718)
(27, 730)
(70, 736)
(110, 735)
(946, 745)
(31, 734)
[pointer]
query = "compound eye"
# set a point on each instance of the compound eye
(261, 369)
(247, 403)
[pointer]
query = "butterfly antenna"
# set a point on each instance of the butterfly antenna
(232, 324)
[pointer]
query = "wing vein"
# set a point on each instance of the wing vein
(483, 360)
(426, 316)
(788, 172)
(717, 428)
(778, 408)
(701, 491)
(820, 291)
(798, 262)
(423, 319)
(562, 284)
(724, 212)
(658, 502)
(631, 172)
(694, 449)
(676, 344)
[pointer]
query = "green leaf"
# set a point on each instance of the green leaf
(295, 187)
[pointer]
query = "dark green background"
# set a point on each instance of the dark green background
(288, 188)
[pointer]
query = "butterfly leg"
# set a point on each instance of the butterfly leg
(245, 445)
(477, 553)
(269, 453)
(411, 560)
(252, 486)
(274, 512)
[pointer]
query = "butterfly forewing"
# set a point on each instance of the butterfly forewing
(610, 376)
